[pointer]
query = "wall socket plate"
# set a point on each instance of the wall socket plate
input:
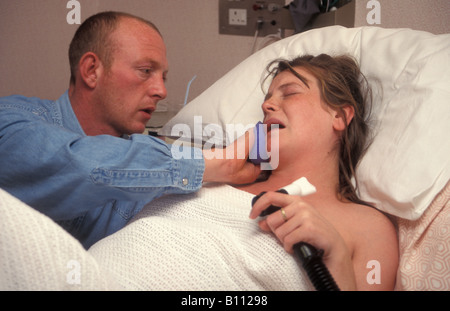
(240, 17)
(237, 17)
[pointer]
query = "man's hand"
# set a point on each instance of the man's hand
(230, 165)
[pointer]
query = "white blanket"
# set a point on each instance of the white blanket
(200, 241)
(37, 254)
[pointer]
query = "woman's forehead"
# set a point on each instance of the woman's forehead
(301, 76)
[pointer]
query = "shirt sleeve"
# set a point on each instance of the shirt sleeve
(66, 173)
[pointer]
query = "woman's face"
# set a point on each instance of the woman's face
(306, 123)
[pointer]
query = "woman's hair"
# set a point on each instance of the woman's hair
(94, 35)
(341, 83)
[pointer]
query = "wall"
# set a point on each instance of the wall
(35, 38)
(428, 15)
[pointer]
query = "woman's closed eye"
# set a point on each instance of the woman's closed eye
(288, 94)
(291, 89)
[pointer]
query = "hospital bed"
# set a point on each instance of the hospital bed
(405, 172)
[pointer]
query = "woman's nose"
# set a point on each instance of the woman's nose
(270, 105)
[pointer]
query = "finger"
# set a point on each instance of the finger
(248, 173)
(270, 198)
(279, 222)
(292, 238)
(264, 226)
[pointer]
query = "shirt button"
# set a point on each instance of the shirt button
(185, 181)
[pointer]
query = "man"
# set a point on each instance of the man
(76, 159)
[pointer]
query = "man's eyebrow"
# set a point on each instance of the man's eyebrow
(151, 62)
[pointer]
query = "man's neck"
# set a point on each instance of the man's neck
(81, 105)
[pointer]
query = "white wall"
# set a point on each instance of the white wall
(35, 37)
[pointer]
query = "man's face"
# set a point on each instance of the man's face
(128, 91)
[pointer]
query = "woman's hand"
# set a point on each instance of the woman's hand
(298, 221)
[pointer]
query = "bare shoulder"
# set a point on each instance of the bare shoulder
(374, 238)
(358, 219)
(371, 217)
(369, 225)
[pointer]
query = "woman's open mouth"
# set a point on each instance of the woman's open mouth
(274, 124)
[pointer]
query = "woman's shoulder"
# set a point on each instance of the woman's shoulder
(374, 238)
(364, 217)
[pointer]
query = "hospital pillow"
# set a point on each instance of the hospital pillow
(408, 162)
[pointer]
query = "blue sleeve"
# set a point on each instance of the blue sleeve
(66, 173)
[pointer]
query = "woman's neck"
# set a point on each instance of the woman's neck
(322, 174)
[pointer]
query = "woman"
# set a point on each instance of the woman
(318, 103)
(206, 241)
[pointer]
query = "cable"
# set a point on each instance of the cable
(267, 39)
(254, 41)
(187, 89)
(312, 262)
(329, 4)
(259, 24)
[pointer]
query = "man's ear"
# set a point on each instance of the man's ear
(343, 117)
(89, 68)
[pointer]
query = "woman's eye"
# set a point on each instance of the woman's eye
(290, 94)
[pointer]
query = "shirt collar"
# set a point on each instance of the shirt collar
(69, 118)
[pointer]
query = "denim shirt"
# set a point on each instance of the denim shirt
(91, 185)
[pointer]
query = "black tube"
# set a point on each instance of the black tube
(312, 262)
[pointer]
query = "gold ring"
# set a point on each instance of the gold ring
(283, 214)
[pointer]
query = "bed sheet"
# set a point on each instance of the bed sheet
(425, 248)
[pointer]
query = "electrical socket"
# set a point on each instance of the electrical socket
(242, 17)
(237, 17)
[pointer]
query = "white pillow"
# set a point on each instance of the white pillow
(409, 160)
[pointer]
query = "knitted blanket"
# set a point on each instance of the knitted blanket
(37, 254)
(200, 241)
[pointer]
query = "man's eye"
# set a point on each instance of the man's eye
(145, 71)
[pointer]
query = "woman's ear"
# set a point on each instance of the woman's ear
(89, 67)
(343, 117)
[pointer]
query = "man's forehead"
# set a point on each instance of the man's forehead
(136, 34)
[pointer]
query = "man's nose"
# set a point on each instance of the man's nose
(157, 89)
